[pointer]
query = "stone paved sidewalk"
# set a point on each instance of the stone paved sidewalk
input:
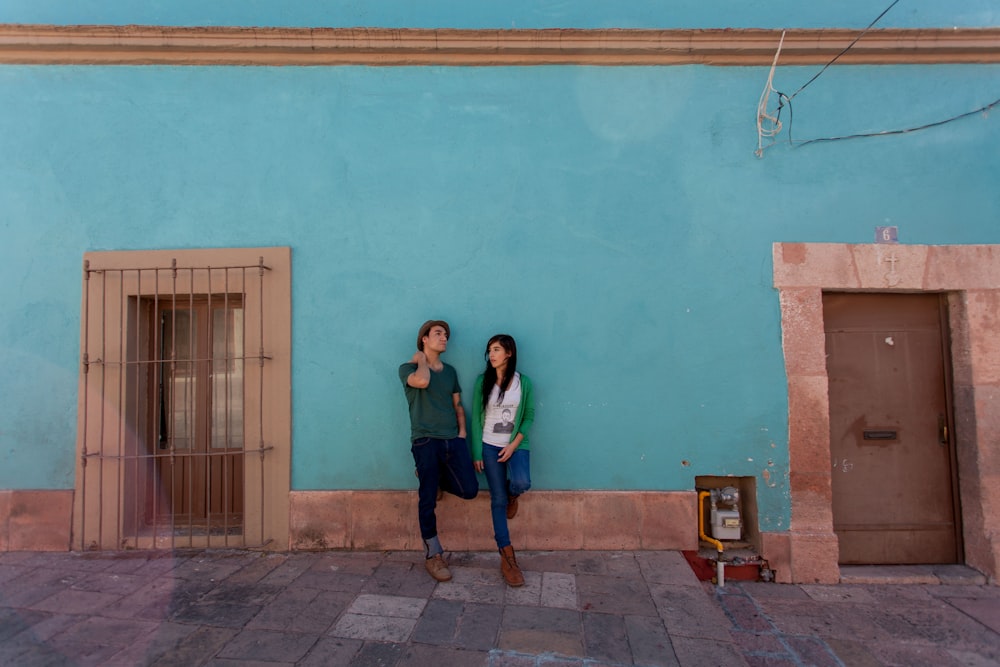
(577, 609)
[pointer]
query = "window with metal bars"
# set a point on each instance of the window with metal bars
(176, 447)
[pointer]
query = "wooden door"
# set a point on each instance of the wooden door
(894, 488)
(199, 406)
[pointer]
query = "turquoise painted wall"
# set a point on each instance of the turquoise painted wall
(506, 14)
(614, 220)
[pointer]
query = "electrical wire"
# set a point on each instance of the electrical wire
(770, 125)
(846, 49)
(885, 133)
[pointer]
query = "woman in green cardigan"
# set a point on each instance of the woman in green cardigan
(503, 410)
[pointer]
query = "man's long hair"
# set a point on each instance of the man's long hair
(490, 375)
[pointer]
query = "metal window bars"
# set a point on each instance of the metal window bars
(170, 405)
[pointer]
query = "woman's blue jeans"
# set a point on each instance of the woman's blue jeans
(445, 464)
(511, 478)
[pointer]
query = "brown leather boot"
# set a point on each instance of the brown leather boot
(508, 567)
(511, 507)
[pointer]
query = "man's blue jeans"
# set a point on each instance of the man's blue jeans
(511, 478)
(445, 464)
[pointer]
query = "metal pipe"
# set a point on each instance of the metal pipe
(720, 568)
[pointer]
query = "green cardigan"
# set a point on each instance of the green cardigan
(522, 420)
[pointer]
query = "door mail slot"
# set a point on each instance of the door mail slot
(880, 435)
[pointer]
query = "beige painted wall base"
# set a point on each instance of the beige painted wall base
(35, 520)
(547, 520)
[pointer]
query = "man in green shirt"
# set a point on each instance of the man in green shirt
(437, 435)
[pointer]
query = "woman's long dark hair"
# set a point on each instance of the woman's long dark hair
(490, 375)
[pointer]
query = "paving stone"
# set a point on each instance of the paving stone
(331, 580)
(689, 652)
(943, 626)
(110, 582)
(208, 568)
(825, 620)
(971, 659)
(400, 578)
(14, 621)
(34, 586)
(771, 661)
(115, 631)
(229, 662)
(27, 652)
(291, 569)
(417, 655)
(439, 622)
(12, 572)
(480, 626)
(612, 595)
(744, 613)
(813, 651)
(268, 645)
(947, 591)
(196, 648)
(908, 655)
(52, 625)
(567, 562)
(689, 612)
(302, 610)
(154, 645)
(254, 571)
(16, 557)
(649, 641)
(498, 658)
(242, 593)
(853, 654)
(472, 585)
(72, 561)
(155, 601)
(75, 602)
(332, 651)
(540, 630)
(347, 562)
(378, 654)
(758, 642)
(665, 567)
(759, 590)
(530, 594)
(387, 605)
(839, 593)
(605, 638)
(78, 654)
(986, 611)
(559, 590)
(217, 614)
(376, 628)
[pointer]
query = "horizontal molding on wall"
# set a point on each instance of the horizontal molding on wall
(158, 45)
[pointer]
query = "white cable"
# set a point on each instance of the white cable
(774, 125)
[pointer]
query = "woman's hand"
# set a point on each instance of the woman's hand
(478, 465)
(506, 453)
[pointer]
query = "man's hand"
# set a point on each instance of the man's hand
(419, 358)
(478, 465)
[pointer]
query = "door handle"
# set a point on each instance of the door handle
(942, 430)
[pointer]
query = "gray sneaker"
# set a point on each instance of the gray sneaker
(437, 568)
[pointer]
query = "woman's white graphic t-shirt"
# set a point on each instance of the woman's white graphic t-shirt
(499, 427)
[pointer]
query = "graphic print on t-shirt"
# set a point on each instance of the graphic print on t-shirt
(499, 424)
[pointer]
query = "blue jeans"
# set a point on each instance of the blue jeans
(508, 479)
(445, 464)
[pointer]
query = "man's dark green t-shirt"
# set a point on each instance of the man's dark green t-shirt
(432, 410)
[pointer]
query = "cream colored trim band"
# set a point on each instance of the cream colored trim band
(151, 45)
